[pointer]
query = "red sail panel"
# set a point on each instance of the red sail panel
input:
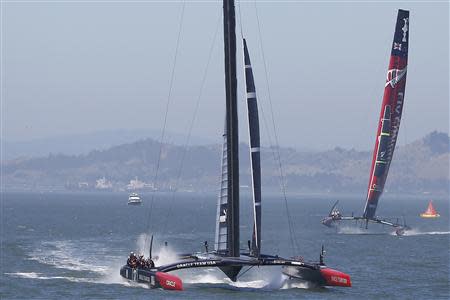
(391, 113)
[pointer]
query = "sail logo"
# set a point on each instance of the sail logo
(394, 76)
(405, 29)
(395, 124)
(398, 46)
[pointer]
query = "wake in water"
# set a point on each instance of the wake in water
(80, 261)
(92, 262)
(359, 231)
(68, 255)
(414, 232)
(268, 279)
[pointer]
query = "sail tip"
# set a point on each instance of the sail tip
(401, 37)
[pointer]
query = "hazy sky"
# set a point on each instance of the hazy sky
(78, 67)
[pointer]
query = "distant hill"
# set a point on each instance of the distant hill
(419, 167)
(76, 144)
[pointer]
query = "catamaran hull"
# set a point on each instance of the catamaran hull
(334, 222)
(321, 276)
(155, 279)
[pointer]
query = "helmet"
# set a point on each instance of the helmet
(131, 253)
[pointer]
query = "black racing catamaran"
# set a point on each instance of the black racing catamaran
(227, 255)
(387, 132)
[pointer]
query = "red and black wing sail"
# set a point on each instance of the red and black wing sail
(391, 113)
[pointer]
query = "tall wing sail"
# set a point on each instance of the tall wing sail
(221, 244)
(391, 113)
(253, 125)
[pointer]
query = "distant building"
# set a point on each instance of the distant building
(83, 185)
(136, 184)
(103, 184)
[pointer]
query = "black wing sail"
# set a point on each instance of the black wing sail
(253, 126)
(229, 21)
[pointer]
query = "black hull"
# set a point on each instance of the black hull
(312, 272)
(140, 275)
(305, 274)
(320, 276)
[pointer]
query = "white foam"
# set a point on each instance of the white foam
(414, 232)
(63, 255)
(33, 275)
(351, 230)
(296, 284)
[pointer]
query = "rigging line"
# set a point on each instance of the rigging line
(240, 275)
(244, 89)
(163, 131)
(373, 92)
(191, 125)
(240, 19)
(283, 187)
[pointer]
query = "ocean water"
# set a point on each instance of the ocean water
(72, 245)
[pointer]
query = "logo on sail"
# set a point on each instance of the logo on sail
(394, 76)
(397, 46)
(405, 29)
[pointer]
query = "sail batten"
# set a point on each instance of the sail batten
(390, 115)
(255, 159)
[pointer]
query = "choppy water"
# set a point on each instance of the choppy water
(72, 245)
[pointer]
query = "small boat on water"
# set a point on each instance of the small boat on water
(430, 212)
(134, 199)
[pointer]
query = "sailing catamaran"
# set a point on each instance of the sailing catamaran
(387, 132)
(227, 255)
(430, 212)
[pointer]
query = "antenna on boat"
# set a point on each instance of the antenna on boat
(322, 254)
(151, 246)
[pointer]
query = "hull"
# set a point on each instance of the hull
(152, 277)
(334, 222)
(322, 276)
(159, 277)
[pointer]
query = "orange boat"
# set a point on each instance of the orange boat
(430, 212)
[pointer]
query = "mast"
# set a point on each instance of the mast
(255, 159)
(232, 214)
(390, 115)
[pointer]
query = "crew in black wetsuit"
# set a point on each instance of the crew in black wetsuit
(132, 260)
